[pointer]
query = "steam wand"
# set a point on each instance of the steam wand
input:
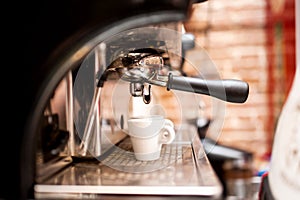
(91, 116)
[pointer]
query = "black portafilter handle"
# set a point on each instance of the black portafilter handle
(230, 90)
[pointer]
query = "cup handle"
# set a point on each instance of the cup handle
(167, 134)
(169, 122)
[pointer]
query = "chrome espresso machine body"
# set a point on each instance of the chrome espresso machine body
(86, 68)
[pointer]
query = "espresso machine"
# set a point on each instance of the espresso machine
(95, 65)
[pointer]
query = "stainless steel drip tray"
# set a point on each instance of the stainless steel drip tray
(183, 169)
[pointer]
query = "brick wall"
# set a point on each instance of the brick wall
(233, 33)
(240, 37)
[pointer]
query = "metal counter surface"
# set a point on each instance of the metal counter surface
(183, 171)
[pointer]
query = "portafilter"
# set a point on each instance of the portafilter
(147, 66)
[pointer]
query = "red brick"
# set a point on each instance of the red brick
(224, 19)
(250, 36)
(217, 5)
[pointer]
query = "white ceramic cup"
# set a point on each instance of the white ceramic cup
(148, 134)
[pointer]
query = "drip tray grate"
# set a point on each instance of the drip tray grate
(122, 158)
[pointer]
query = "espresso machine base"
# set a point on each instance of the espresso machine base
(182, 171)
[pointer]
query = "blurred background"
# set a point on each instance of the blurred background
(253, 41)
